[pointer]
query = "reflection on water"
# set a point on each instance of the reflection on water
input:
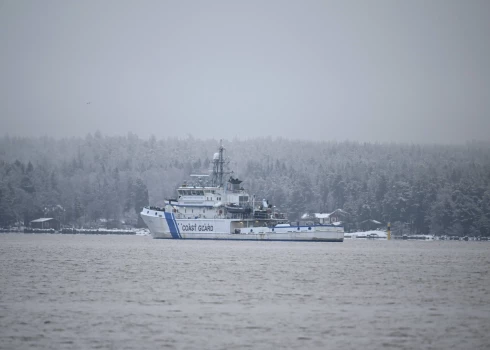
(76, 291)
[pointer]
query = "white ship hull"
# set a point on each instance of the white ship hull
(223, 210)
(165, 225)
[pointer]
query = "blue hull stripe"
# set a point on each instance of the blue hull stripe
(176, 226)
(174, 230)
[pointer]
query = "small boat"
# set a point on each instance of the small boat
(235, 208)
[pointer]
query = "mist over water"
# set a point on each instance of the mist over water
(67, 291)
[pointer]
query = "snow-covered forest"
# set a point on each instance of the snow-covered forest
(438, 189)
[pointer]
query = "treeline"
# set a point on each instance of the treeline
(439, 189)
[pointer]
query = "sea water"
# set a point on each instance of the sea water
(133, 292)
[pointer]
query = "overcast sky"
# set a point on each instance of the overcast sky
(404, 71)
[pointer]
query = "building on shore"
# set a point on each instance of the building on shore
(336, 217)
(45, 223)
(370, 225)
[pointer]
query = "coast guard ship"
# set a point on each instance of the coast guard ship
(223, 210)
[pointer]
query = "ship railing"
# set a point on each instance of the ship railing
(155, 208)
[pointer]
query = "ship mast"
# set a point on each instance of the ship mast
(218, 166)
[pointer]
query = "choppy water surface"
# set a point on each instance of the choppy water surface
(67, 291)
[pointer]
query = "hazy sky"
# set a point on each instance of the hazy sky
(407, 71)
